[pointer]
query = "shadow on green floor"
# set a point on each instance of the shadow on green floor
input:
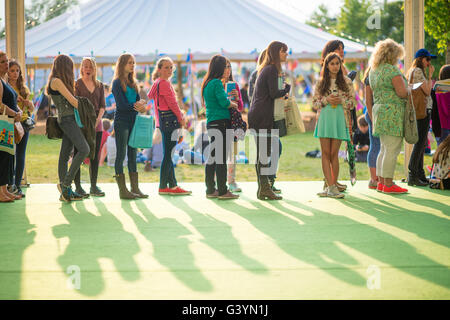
(92, 237)
(219, 236)
(16, 236)
(425, 225)
(170, 246)
(314, 241)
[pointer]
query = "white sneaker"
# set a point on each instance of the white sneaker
(323, 193)
(333, 192)
(234, 187)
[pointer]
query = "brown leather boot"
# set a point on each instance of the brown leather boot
(258, 180)
(123, 191)
(265, 191)
(134, 178)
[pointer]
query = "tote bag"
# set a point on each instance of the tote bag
(409, 122)
(294, 121)
(142, 134)
(7, 133)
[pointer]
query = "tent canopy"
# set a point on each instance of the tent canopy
(239, 29)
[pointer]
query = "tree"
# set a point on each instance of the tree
(322, 16)
(44, 10)
(437, 24)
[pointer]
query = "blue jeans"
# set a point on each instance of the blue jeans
(374, 148)
(275, 159)
(122, 131)
(20, 158)
(167, 171)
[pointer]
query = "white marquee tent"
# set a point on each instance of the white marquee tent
(237, 28)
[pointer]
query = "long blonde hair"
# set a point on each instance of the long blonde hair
(159, 65)
(119, 72)
(62, 69)
(94, 67)
(386, 51)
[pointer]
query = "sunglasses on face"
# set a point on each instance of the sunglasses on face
(428, 58)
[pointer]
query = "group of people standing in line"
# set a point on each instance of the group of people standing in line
(386, 91)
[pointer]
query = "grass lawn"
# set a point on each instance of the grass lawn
(42, 164)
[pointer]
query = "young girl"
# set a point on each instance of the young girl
(88, 86)
(236, 97)
(61, 87)
(15, 79)
(128, 104)
(333, 94)
(217, 123)
(164, 96)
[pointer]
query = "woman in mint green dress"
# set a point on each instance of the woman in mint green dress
(334, 98)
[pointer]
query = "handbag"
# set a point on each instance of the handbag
(18, 132)
(280, 125)
(7, 133)
(28, 124)
(52, 129)
(168, 121)
(409, 121)
(420, 100)
(238, 124)
(294, 121)
(142, 134)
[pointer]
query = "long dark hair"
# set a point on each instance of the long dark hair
(324, 83)
(62, 69)
(443, 148)
(273, 55)
(19, 83)
(417, 63)
(215, 70)
(331, 46)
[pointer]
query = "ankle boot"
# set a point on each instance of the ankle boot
(123, 191)
(415, 181)
(134, 177)
(265, 191)
(258, 179)
(272, 183)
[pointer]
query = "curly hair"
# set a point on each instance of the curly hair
(386, 51)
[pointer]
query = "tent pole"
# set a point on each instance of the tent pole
(180, 84)
(414, 40)
(194, 109)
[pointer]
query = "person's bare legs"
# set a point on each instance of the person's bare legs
(373, 175)
(334, 160)
(325, 146)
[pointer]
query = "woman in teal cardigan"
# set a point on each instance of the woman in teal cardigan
(217, 123)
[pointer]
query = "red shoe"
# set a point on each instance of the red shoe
(179, 191)
(395, 189)
(380, 187)
(164, 191)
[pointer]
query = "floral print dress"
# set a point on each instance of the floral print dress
(388, 108)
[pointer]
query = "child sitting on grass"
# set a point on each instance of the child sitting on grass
(361, 139)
